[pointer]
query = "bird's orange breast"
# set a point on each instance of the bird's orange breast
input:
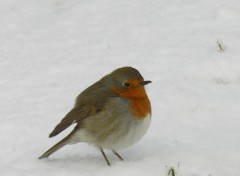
(140, 107)
(139, 103)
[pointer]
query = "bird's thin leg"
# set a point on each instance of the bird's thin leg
(105, 157)
(117, 155)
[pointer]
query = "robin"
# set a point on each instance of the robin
(113, 113)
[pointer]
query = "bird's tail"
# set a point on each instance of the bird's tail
(54, 148)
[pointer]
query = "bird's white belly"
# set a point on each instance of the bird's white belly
(136, 130)
(134, 135)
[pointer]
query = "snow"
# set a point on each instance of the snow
(51, 50)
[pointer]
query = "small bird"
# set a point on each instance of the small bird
(113, 113)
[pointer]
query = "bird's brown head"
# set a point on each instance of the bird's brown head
(128, 83)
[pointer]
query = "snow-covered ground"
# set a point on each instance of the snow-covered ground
(51, 50)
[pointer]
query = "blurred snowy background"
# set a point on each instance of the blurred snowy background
(51, 50)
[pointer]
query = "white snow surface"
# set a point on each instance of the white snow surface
(51, 50)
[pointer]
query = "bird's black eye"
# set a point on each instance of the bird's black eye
(126, 84)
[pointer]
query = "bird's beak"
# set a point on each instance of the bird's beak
(145, 83)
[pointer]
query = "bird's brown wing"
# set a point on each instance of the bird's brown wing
(77, 114)
(91, 101)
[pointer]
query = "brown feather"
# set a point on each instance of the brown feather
(75, 115)
(87, 104)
